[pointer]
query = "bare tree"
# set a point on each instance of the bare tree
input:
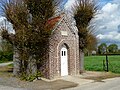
(84, 12)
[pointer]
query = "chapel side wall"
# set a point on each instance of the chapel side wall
(52, 58)
(77, 56)
(45, 68)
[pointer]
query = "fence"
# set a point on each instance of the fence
(112, 63)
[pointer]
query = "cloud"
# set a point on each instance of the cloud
(5, 23)
(110, 7)
(118, 28)
(2, 18)
(108, 22)
(69, 4)
(110, 37)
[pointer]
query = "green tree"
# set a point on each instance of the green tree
(31, 37)
(119, 51)
(6, 46)
(113, 48)
(102, 48)
(6, 52)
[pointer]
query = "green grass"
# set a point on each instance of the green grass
(1, 61)
(95, 63)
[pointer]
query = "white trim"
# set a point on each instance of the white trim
(58, 54)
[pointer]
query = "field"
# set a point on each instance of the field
(95, 63)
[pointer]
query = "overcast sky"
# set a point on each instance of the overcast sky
(107, 21)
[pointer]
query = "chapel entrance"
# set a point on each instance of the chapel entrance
(64, 61)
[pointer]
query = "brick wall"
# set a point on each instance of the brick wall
(56, 42)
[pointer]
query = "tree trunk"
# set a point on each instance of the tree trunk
(81, 61)
(32, 66)
(16, 62)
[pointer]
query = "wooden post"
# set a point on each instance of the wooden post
(107, 62)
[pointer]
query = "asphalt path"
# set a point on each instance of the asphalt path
(5, 64)
(108, 84)
(10, 88)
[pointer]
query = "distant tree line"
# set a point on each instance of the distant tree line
(110, 49)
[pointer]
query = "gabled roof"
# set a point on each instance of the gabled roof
(54, 22)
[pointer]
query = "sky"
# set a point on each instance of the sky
(107, 21)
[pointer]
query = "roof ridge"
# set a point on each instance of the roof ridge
(57, 24)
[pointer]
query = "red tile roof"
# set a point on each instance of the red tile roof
(52, 22)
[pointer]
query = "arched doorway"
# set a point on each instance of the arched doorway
(64, 61)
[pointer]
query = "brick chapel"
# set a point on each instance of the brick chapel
(63, 56)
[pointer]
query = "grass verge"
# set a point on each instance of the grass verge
(95, 63)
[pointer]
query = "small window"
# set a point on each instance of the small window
(64, 53)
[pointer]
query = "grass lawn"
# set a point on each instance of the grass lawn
(95, 63)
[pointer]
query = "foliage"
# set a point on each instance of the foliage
(84, 13)
(95, 63)
(102, 48)
(6, 52)
(119, 51)
(31, 37)
(113, 48)
(92, 44)
(6, 56)
(30, 77)
(6, 46)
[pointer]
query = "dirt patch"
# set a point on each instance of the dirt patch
(98, 76)
(6, 71)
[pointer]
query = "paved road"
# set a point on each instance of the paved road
(9, 88)
(108, 84)
(5, 64)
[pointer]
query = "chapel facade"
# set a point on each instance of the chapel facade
(63, 57)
